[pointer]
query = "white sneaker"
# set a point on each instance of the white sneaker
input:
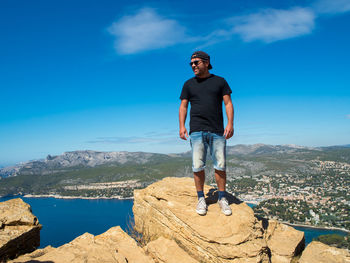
(201, 206)
(225, 208)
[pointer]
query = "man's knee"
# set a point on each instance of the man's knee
(221, 173)
(200, 173)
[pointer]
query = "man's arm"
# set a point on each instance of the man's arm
(182, 119)
(228, 133)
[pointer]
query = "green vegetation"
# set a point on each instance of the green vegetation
(335, 240)
(243, 184)
(54, 183)
(293, 211)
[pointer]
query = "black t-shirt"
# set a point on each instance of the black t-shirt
(205, 96)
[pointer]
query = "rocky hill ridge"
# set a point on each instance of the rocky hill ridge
(79, 159)
(90, 158)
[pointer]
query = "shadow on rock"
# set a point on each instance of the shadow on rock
(213, 195)
(264, 222)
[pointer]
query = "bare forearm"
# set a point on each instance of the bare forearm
(229, 131)
(182, 116)
(182, 119)
(229, 113)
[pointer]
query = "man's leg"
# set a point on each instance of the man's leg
(199, 178)
(199, 152)
(220, 177)
(218, 152)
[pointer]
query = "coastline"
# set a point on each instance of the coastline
(301, 225)
(74, 197)
(317, 227)
(253, 202)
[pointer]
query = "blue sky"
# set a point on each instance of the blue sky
(106, 75)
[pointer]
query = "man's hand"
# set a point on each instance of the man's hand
(228, 133)
(182, 119)
(183, 133)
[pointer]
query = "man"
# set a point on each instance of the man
(206, 92)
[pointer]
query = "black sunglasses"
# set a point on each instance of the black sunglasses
(195, 62)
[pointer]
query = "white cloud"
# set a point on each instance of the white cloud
(214, 37)
(271, 24)
(331, 6)
(146, 30)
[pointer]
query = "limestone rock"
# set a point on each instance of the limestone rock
(317, 252)
(19, 229)
(167, 208)
(284, 242)
(112, 246)
(167, 251)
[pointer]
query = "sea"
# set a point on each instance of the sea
(65, 219)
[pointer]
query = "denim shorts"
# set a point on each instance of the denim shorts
(200, 141)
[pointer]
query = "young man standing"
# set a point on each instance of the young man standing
(206, 92)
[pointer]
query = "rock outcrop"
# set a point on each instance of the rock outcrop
(283, 241)
(317, 252)
(112, 246)
(167, 251)
(166, 209)
(19, 229)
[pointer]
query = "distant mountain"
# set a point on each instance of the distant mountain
(77, 159)
(89, 158)
(337, 146)
(263, 149)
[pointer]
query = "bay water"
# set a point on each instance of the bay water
(65, 219)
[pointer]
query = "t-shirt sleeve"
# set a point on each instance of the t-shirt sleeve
(185, 92)
(226, 90)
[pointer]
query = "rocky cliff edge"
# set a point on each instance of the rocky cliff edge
(172, 232)
(19, 229)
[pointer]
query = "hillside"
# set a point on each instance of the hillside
(291, 178)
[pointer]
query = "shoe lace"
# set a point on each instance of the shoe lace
(201, 202)
(224, 201)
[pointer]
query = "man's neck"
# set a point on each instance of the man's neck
(206, 75)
